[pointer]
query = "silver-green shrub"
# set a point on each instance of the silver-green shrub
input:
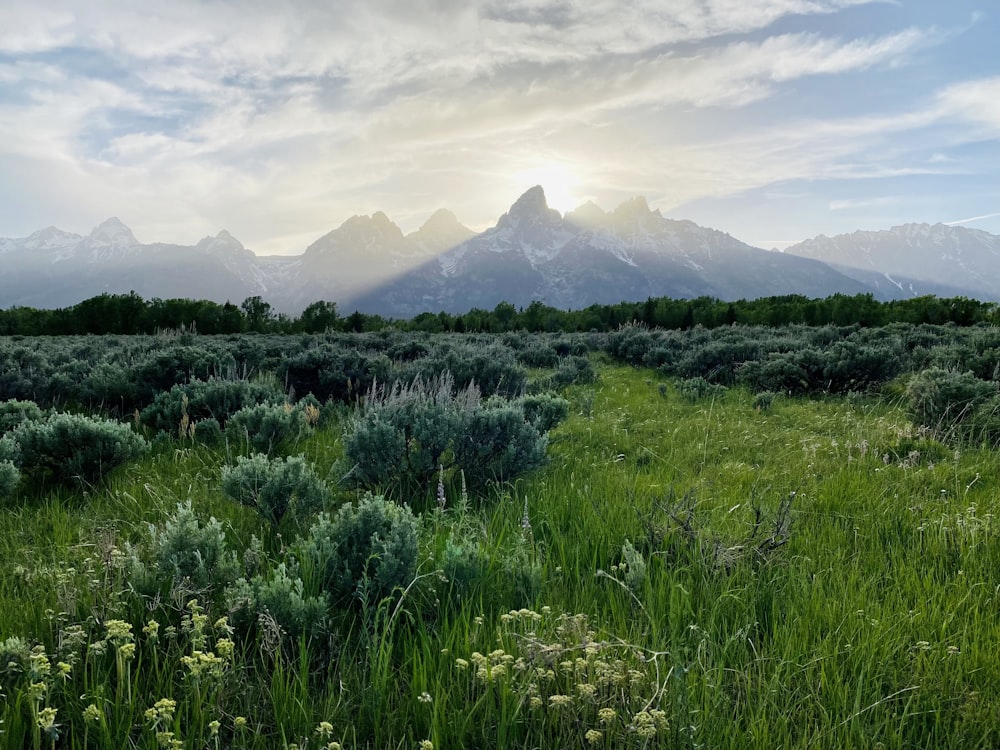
(277, 599)
(183, 552)
(264, 427)
(14, 413)
(941, 399)
(71, 447)
(544, 410)
(275, 487)
(370, 547)
(403, 435)
(202, 399)
(496, 443)
(10, 477)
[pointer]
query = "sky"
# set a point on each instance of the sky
(277, 120)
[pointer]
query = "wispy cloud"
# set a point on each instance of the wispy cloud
(264, 116)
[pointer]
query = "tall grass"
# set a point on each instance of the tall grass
(650, 587)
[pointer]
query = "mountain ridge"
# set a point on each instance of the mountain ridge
(533, 253)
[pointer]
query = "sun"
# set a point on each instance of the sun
(558, 182)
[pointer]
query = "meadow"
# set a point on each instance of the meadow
(698, 563)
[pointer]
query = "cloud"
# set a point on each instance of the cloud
(266, 117)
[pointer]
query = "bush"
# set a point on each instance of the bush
(495, 442)
(204, 399)
(334, 373)
(275, 487)
(941, 399)
(696, 389)
(184, 553)
(493, 368)
(365, 550)
(544, 410)
(405, 434)
(77, 448)
(573, 371)
(279, 596)
(14, 413)
(402, 433)
(265, 426)
(208, 431)
(10, 477)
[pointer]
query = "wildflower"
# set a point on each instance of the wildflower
(426, 745)
(127, 651)
(334, 746)
(213, 727)
(461, 663)
(64, 669)
(39, 665)
(118, 631)
(240, 722)
(560, 701)
(91, 713)
(47, 719)
(425, 697)
(593, 736)
(325, 729)
(535, 702)
(606, 715)
(152, 630)
(586, 690)
(643, 725)
(225, 647)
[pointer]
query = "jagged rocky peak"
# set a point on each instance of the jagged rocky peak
(634, 212)
(530, 207)
(50, 237)
(112, 232)
(222, 243)
(377, 224)
(587, 215)
(441, 232)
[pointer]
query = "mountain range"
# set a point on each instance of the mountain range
(533, 252)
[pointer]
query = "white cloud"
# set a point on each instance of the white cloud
(269, 117)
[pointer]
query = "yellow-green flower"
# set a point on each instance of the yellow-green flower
(91, 713)
(152, 630)
(593, 736)
(47, 718)
(426, 745)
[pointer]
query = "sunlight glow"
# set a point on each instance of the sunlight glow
(558, 182)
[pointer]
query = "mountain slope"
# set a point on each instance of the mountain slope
(532, 253)
(914, 259)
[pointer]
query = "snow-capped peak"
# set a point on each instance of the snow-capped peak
(112, 233)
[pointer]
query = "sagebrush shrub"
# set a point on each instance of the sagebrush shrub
(405, 434)
(941, 398)
(74, 447)
(14, 413)
(696, 389)
(10, 477)
(184, 552)
(266, 426)
(279, 598)
(204, 399)
(401, 434)
(372, 545)
(544, 410)
(496, 443)
(275, 487)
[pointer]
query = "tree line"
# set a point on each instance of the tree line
(131, 314)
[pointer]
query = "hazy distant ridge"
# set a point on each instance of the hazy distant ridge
(533, 252)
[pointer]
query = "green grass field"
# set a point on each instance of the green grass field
(682, 574)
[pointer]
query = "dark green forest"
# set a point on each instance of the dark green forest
(131, 314)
